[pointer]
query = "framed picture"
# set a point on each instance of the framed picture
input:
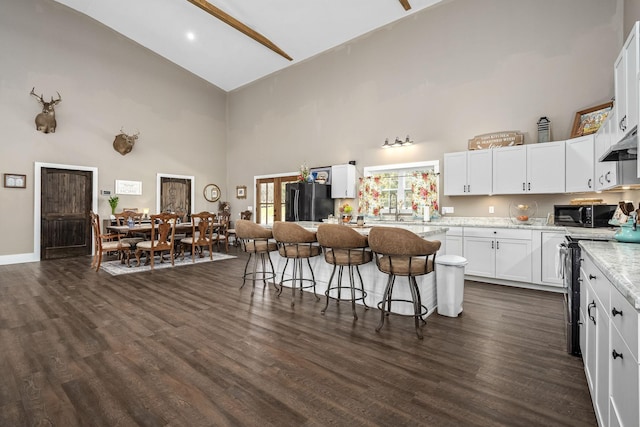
(589, 121)
(133, 188)
(212, 193)
(15, 180)
(321, 175)
(241, 192)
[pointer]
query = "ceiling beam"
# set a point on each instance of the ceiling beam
(405, 4)
(230, 20)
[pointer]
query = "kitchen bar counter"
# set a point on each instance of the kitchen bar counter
(620, 263)
(421, 229)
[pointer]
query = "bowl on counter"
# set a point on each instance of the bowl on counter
(627, 234)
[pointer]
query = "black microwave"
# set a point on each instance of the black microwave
(583, 215)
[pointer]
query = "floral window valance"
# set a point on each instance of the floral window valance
(378, 192)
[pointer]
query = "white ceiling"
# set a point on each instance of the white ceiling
(226, 57)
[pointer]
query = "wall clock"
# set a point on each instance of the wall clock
(212, 192)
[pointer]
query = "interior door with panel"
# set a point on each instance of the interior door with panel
(66, 198)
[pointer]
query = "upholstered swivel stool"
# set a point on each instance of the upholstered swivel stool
(399, 252)
(297, 244)
(257, 242)
(344, 247)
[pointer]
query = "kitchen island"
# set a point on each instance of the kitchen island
(610, 329)
(374, 281)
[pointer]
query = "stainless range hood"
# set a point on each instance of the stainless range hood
(626, 149)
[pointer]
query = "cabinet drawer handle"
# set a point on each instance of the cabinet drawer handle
(523, 186)
(615, 354)
(607, 176)
(591, 277)
(497, 244)
(492, 244)
(615, 312)
(591, 305)
(529, 186)
(589, 183)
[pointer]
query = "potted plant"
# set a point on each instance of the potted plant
(113, 202)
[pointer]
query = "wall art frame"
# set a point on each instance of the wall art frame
(241, 192)
(588, 121)
(132, 188)
(15, 180)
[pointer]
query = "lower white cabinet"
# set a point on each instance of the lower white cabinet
(609, 343)
(498, 253)
(454, 241)
(545, 255)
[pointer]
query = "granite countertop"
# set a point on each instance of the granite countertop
(620, 263)
(421, 229)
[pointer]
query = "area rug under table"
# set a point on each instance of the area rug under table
(116, 267)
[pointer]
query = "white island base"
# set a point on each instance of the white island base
(373, 280)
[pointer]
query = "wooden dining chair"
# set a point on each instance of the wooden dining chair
(163, 230)
(202, 225)
(106, 243)
(221, 235)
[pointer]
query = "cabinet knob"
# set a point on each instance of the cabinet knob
(615, 354)
(615, 312)
(591, 277)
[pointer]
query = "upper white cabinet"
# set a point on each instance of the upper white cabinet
(626, 70)
(579, 172)
(532, 168)
(343, 181)
(606, 173)
(467, 173)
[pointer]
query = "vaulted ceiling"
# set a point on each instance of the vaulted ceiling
(233, 43)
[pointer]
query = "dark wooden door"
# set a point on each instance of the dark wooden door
(66, 197)
(175, 195)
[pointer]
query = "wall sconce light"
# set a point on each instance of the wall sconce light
(397, 143)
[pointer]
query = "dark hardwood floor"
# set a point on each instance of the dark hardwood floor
(186, 347)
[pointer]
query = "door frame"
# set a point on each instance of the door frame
(37, 202)
(255, 188)
(159, 177)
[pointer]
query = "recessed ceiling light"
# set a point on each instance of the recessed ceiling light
(191, 36)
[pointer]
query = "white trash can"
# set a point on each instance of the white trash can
(450, 284)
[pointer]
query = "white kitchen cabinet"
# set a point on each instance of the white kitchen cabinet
(623, 358)
(596, 361)
(468, 173)
(580, 164)
(343, 181)
(606, 173)
(549, 242)
(454, 241)
(529, 169)
(498, 253)
(609, 342)
(626, 70)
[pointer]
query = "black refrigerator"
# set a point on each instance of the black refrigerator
(308, 201)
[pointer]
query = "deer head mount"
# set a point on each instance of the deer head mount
(46, 120)
(124, 143)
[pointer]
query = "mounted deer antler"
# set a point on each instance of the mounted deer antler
(124, 143)
(46, 120)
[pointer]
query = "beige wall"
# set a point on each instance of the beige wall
(444, 75)
(463, 68)
(106, 82)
